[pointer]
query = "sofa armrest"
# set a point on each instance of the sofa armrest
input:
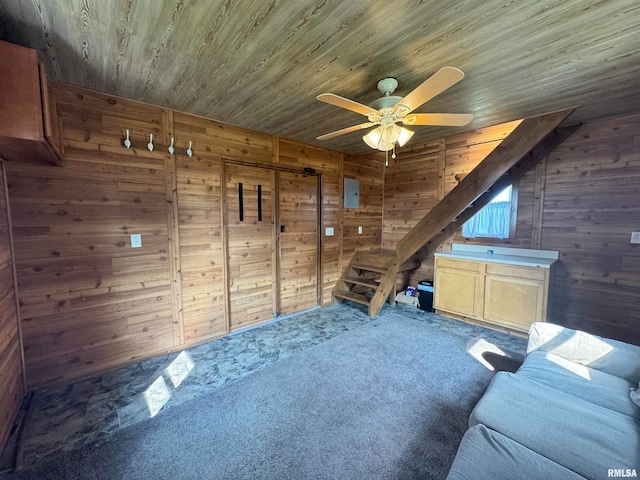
(609, 356)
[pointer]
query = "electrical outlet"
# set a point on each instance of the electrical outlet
(359, 230)
(136, 240)
(635, 237)
(329, 231)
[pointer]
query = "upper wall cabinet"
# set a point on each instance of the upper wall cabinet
(29, 126)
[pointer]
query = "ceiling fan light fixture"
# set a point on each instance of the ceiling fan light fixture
(373, 137)
(384, 137)
(389, 110)
(404, 137)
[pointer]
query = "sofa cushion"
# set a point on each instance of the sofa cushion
(488, 455)
(580, 381)
(586, 438)
(604, 354)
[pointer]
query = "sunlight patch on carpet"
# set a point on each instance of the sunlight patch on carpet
(479, 350)
(179, 369)
(156, 396)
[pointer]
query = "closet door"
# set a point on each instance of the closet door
(250, 244)
(298, 241)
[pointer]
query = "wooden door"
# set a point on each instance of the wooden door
(298, 241)
(250, 244)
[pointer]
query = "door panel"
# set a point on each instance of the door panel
(250, 244)
(298, 243)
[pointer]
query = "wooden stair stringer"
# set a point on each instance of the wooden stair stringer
(518, 145)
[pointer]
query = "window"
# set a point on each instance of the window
(494, 220)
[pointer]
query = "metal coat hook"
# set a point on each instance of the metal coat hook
(171, 149)
(150, 144)
(127, 142)
(189, 151)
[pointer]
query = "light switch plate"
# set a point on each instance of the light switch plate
(136, 240)
(329, 231)
(635, 237)
(359, 230)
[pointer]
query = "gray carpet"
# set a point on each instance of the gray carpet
(388, 400)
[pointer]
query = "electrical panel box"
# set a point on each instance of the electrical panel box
(351, 193)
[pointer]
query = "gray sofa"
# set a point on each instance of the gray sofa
(565, 414)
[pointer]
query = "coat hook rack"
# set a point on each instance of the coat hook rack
(151, 146)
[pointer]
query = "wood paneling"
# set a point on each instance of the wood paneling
(91, 303)
(591, 206)
(11, 373)
(370, 173)
(201, 233)
(88, 301)
(260, 65)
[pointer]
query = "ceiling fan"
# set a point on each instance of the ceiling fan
(388, 110)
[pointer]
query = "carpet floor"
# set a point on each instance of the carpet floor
(388, 400)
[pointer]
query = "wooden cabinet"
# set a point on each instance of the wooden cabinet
(29, 126)
(511, 296)
(459, 287)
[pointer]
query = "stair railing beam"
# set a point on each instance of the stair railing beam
(518, 144)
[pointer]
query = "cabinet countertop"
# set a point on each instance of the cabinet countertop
(520, 260)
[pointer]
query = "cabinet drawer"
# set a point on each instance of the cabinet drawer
(530, 273)
(469, 266)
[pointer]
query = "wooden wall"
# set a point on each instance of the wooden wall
(591, 205)
(89, 302)
(581, 200)
(11, 373)
(370, 173)
(422, 175)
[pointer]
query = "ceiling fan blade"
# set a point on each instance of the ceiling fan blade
(441, 119)
(337, 133)
(342, 102)
(437, 83)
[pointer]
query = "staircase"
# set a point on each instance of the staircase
(370, 277)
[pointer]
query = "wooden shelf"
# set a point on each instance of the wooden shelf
(29, 125)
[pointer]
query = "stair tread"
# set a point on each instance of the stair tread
(370, 268)
(367, 282)
(354, 297)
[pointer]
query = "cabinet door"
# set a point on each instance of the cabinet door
(457, 291)
(513, 301)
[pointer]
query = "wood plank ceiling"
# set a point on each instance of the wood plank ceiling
(260, 64)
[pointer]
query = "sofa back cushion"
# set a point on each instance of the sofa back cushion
(604, 354)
